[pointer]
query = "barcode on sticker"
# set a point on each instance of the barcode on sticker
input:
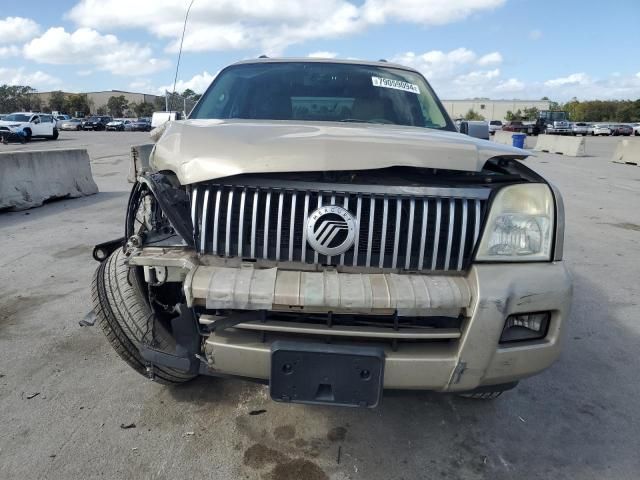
(395, 84)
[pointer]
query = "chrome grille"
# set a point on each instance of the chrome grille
(415, 229)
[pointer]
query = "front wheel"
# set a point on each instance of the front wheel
(126, 318)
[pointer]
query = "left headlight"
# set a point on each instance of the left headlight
(520, 225)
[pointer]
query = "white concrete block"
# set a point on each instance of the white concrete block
(29, 178)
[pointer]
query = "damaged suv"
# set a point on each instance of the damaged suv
(320, 225)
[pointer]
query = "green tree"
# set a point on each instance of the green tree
(102, 110)
(191, 95)
(143, 109)
(530, 113)
(116, 106)
(159, 104)
(513, 117)
(473, 115)
(58, 102)
(78, 104)
(18, 97)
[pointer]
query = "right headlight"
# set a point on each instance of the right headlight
(520, 225)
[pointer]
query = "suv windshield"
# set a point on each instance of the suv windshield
(325, 92)
(17, 117)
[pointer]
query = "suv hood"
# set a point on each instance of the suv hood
(200, 150)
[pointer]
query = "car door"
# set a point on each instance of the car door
(48, 123)
(37, 129)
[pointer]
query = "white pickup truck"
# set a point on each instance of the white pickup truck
(30, 125)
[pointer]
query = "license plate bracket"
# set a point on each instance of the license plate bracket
(326, 374)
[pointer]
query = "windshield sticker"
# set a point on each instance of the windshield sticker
(395, 84)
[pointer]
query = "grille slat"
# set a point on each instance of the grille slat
(434, 259)
(216, 216)
(292, 225)
(241, 222)
(279, 227)
(452, 213)
(357, 240)
(227, 243)
(396, 237)
(267, 211)
(408, 232)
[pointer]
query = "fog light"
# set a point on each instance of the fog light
(525, 326)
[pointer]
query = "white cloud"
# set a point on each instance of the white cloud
(535, 34)
(17, 29)
(198, 83)
(87, 46)
(436, 64)
(477, 77)
(512, 85)
(425, 12)
(269, 25)
(323, 54)
(84, 73)
(455, 74)
(493, 58)
(18, 76)
(9, 51)
(573, 79)
(586, 87)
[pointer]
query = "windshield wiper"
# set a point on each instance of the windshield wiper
(359, 120)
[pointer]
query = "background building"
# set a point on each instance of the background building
(491, 109)
(100, 99)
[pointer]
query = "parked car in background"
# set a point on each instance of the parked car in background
(140, 126)
(621, 129)
(580, 128)
(72, 124)
(599, 129)
(117, 125)
(494, 126)
(31, 125)
(60, 119)
(516, 126)
(96, 123)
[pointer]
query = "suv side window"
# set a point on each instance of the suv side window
(35, 119)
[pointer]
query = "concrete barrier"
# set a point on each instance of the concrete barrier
(29, 178)
(503, 137)
(627, 151)
(570, 146)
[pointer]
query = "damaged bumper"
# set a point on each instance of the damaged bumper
(458, 349)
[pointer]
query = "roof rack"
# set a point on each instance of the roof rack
(263, 56)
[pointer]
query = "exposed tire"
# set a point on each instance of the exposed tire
(126, 318)
(28, 132)
(489, 392)
(55, 135)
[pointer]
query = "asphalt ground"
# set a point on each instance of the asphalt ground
(65, 395)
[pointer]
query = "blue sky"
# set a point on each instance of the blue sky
(466, 48)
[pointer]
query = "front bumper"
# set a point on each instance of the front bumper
(485, 297)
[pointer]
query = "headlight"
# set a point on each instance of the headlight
(520, 225)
